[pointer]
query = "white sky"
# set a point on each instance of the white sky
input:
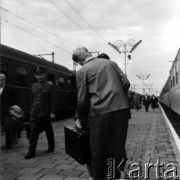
(60, 26)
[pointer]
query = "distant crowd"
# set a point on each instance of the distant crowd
(146, 101)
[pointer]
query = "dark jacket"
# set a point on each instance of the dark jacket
(146, 101)
(7, 99)
(44, 100)
(154, 101)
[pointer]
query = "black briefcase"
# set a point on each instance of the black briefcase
(77, 144)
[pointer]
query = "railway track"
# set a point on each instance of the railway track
(173, 117)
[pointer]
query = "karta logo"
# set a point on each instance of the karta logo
(115, 170)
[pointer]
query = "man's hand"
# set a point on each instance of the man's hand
(78, 124)
(52, 116)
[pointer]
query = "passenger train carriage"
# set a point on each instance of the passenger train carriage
(170, 94)
(18, 68)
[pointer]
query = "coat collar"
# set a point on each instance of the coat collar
(90, 59)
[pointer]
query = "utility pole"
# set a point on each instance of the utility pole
(95, 52)
(52, 54)
(156, 92)
(121, 44)
(143, 77)
(148, 86)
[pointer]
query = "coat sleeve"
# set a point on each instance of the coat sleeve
(83, 104)
(124, 79)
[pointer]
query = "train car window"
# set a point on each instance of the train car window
(61, 82)
(174, 76)
(69, 84)
(177, 78)
(177, 65)
(21, 76)
(3, 67)
(171, 83)
(177, 71)
(171, 74)
(51, 78)
(173, 80)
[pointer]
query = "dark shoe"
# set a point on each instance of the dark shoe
(50, 150)
(29, 156)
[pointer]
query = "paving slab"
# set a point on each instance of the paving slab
(149, 143)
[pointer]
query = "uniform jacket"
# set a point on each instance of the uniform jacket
(102, 87)
(44, 100)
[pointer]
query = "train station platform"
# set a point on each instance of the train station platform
(149, 143)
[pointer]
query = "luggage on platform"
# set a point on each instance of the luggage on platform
(77, 144)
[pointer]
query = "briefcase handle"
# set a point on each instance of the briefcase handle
(74, 127)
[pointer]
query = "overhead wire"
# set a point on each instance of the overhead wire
(45, 29)
(68, 17)
(37, 26)
(27, 21)
(100, 12)
(36, 36)
(74, 22)
(42, 27)
(90, 11)
(88, 23)
(86, 20)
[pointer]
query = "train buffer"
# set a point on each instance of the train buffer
(150, 144)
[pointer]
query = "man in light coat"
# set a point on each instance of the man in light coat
(103, 108)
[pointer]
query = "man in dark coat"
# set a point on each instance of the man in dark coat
(42, 110)
(7, 99)
(146, 102)
(103, 103)
(154, 102)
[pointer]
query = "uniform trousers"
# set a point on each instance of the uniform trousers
(39, 125)
(108, 134)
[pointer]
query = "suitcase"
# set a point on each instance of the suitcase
(77, 144)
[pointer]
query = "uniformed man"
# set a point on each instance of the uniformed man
(42, 111)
